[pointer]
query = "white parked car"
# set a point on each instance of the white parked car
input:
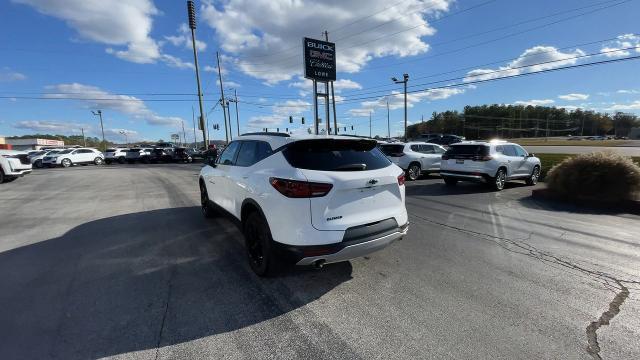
(37, 158)
(70, 157)
(113, 155)
(13, 164)
(491, 162)
(416, 158)
(306, 200)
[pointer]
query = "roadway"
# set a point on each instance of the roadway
(623, 150)
(116, 261)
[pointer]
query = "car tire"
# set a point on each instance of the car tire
(2, 177)
(121, 160)
(98, 161)
(66, 163)
(205, 204)
(450, 181)
(499, 180)
(258, 244)
(414, 171)
(107, 161)
(533, 178)
(38, 164)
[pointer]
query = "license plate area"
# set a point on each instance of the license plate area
(459, 161)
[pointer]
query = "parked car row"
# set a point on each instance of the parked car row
(493, 162)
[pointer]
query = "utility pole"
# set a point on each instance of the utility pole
(224, 110)
(235, 95)
(193, 118)
(192, 25)
(229, 117)
(405, 79)
(388, 123)
(370, 123)
(184, 134)
(84, 140)
(99, 113)
(547, 137)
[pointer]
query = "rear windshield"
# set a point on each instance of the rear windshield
(391, 149)
(468, 150)
(110, 150)
(335, 155)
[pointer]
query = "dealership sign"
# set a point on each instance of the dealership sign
(319, 60)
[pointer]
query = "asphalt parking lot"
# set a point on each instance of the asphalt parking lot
(116, 261)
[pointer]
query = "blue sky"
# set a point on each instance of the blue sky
(134, 60)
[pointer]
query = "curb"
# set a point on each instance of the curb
(630, 206)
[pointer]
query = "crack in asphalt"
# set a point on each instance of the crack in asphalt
(614, 308)
(622, 291)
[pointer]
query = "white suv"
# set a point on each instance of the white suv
(416, 158)
(493, 162)
(13, 164)
(117, 154)
(70, 157)
(306, 200)
(37, 158)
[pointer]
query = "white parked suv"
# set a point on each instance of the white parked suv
(70, 157)
(13, 164)
(306, 200)
(491, 162)
(416, 158)
(117, 154)
(37, 158)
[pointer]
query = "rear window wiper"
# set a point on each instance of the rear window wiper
(351, 167)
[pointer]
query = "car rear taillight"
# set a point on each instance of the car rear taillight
(300, 189)
(482, 158)
(401, 179)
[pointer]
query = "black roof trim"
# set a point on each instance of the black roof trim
(267, 133)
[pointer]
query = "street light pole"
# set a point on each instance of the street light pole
(388, 124)
(235, 94)
(192, 25)
(99, 113)
(405, 79)
(126, 138)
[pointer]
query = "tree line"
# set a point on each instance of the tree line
(515, 121)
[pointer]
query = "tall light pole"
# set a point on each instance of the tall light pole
(405, 79)
(99, 113)
(388, 124)
(126, 138)
(191, 9)
(222, 100)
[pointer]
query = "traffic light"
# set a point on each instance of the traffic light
(287, 129)
(345, 128)
(303, 120)
(290, 119)
(351, 127)
(277, 129)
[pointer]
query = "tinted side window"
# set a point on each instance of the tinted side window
(415, 147)
(426, 149)
(509, 150)
(500, 149)
(438, 150)
(520, 151)
(246, 154)
(263, 150)
(229, 154)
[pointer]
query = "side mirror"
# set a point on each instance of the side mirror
(531, 155)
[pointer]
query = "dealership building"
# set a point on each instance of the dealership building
(33, 144)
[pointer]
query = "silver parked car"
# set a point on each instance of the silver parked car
(492, 162)
(416, 158)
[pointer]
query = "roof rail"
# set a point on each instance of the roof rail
(267, 133)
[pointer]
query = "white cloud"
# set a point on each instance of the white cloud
(630, 106)
(281, 113)
(96, 98)
(548, 57)
(176, 62)
(625, 41)
(229, 84)
(573, 97)
(7, 75)
(183, 39)
(534, 102)
(631, 91)
(264, 36)
(52, 127)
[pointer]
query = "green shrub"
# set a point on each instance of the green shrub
(603, 175)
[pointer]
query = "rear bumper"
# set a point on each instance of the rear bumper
(461, 175)
(343, 251)
(16, 168)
